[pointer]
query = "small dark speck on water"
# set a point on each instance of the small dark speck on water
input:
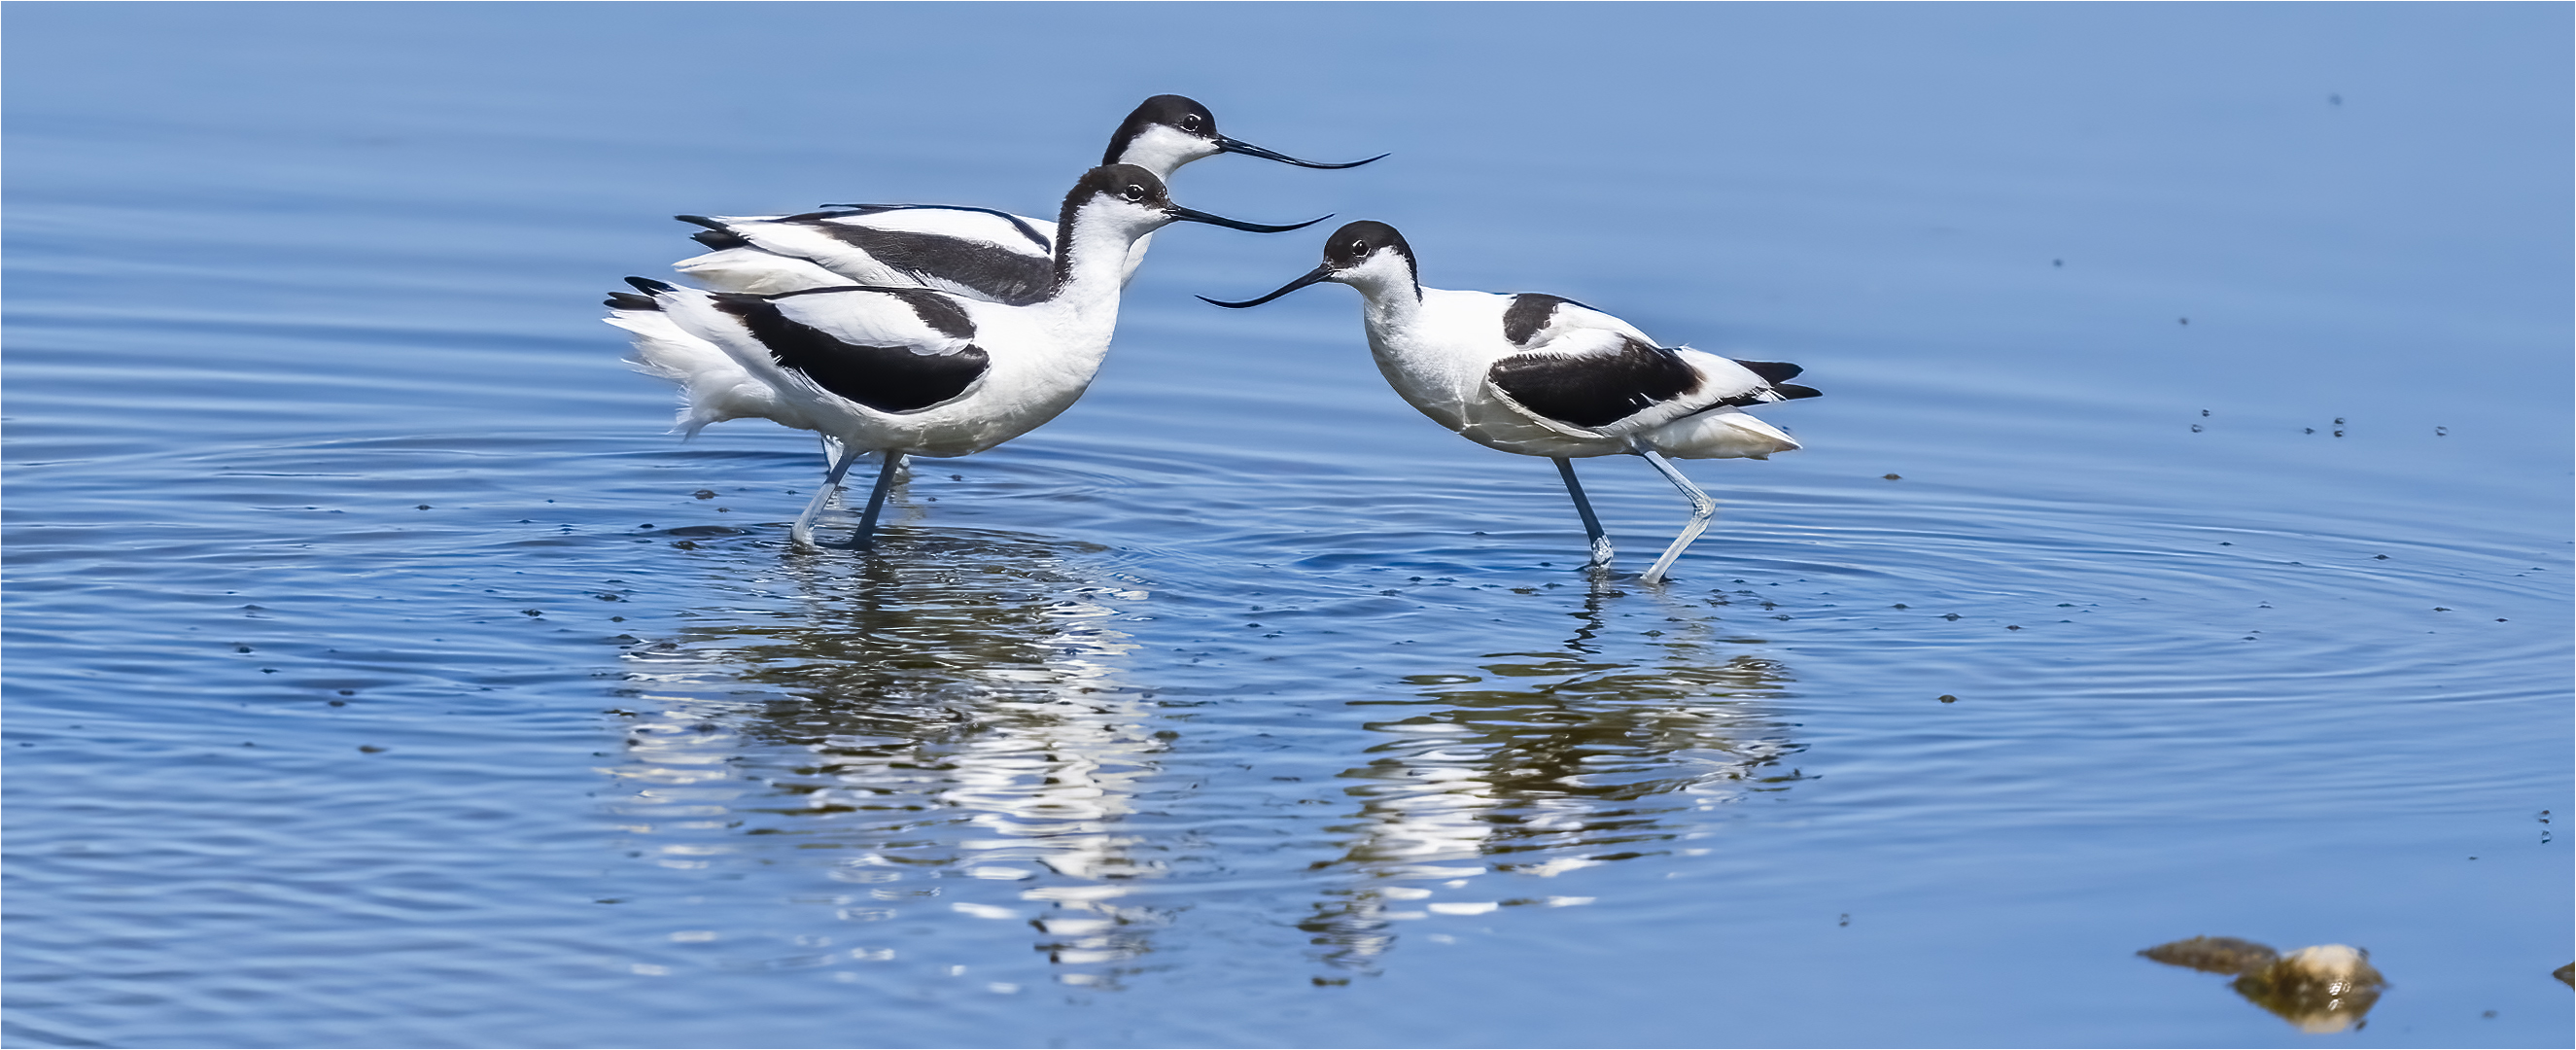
(2204, 413)
(2057, 262)
(532, 612)
(2439, 608)
(703, 494)
(2012, 627)
(2226, 543)
(2182, 320)
(2307, 430)
(1949, 699)
(724, 510)
(2195, 428)
(339, 703)
(2441, 432)
(1894, 477)
(424, 506)
(1844, 920)
(2379, 557)
(1898, 605)
(371, 749)
(1949, 616)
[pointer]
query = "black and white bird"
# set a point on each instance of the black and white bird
(980, 253)
(906, 370)
(1541, 375)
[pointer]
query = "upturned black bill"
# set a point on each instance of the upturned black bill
(1318, 275)
(1227, 145)
(1193, 215)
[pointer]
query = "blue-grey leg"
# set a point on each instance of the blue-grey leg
(876, 499)
(831, 455)
(802, 533)
(1702, 509)
(1591, 524)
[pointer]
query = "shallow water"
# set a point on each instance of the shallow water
(379, 672)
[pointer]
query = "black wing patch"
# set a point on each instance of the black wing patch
(1594, 389)
(1773, 371)
(1016, 222)
(885, 378)
(1004, 276)
(1527, 316)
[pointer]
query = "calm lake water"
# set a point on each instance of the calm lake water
(2181, 546)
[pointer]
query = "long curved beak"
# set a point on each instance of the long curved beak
(1227, 145)
(1179, 213)
(1318, 275)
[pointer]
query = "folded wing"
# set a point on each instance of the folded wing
(1585, 370)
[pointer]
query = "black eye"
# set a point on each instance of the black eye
(1358, 247)
(1135, 192)
(1189, 122)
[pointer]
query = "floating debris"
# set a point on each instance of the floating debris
(2322, 988)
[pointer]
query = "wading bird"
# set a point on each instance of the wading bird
(1541, 375)
(907, 370)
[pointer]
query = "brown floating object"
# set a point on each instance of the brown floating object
(2215, 955)
(2322, 988)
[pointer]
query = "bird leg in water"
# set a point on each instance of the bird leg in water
(802, 533)
(1702, 509)
(876, 499)
(831, 452)
(1591, 524)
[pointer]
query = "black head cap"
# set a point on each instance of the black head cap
(1172, 111)
(1355, 242)
(1126, 182)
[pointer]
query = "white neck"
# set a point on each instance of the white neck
(1392, 298)
(1162, 150)
(1091, 265)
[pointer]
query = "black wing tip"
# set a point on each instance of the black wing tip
(1773, 371)
(650, 286)
(700, 220)
(631, 301)
(1792, 391)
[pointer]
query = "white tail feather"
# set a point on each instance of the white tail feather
(712, 387)
(1722, 433)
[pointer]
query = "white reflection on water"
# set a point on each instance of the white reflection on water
(1546, 763)
(962, 727)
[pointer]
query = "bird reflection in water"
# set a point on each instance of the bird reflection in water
(947, 737)
(1545, 763)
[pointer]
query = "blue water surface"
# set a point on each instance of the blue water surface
(2181, 545)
